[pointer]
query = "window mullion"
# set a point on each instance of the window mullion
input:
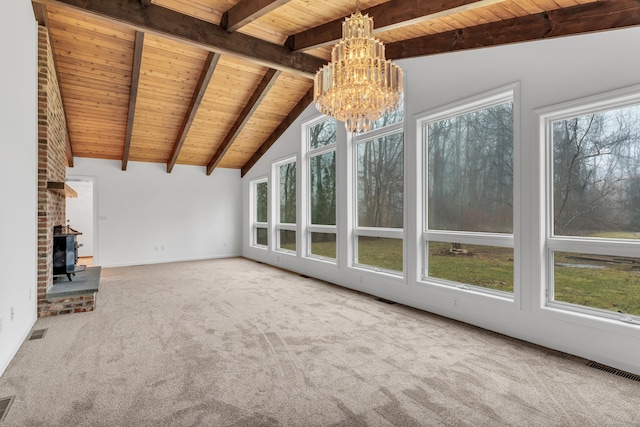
(592, 246)
(390, 233)
(472, 238)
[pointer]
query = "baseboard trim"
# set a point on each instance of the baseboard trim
(167, 261)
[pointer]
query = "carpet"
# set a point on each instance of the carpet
(231, 342)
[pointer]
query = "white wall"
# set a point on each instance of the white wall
(549, 72)
(80, 215)
(146, 215)
(18, 174)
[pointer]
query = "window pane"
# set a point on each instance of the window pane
(380, 252)
(288, 193)
(323, 244)
(389, 119)
(381, 182)
(261, 236)
(261, 202)
(598, 281)
(288, 240)
(322, 134)
(485, 266)
(470, 171)
(596, 174)
(323, 188)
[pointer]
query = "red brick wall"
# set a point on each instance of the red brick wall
(52, 163)
(67, 305)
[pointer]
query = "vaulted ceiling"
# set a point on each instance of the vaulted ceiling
(214, 83)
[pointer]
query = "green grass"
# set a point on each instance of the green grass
(485, 266)
(325, 249)
(288, 240)
(288, 246)
(380, 252)
(614, 286)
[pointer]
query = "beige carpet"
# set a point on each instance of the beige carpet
(235, 343)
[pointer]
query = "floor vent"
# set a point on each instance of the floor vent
(37, 334)
(304, 277)
(386, 301)
(614, 371)
(5, 404)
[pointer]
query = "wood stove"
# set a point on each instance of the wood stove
(65, 251)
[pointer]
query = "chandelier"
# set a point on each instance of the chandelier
(359, 85)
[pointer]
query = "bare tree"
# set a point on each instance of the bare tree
(288, 193)
(595, 166)
(381, 182)
(470, 171)
(322, 174)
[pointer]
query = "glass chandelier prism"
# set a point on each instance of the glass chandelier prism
(359, 85)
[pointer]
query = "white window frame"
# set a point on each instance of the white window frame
(588, 245)
(508, 93)
(307, 153)
(255, 224)
(279, 226)
(355, 140)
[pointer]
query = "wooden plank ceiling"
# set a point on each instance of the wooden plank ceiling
(214, 83)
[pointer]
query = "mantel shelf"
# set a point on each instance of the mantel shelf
(62, 188)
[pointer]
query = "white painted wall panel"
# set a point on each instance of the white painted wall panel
(146, 215)
(18, 173)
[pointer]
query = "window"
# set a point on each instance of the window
(322, 173)
(593, 233)
(286, 224)
(260, 193)
(379, 182)
(321, 167)
(468, 174)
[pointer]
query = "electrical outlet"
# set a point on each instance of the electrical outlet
(456, 302)
(12, 314)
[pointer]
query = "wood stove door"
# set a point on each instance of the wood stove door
(64, 254)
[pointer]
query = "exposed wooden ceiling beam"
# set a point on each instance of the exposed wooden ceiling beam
(283, 126)
(201, 87)
(133, 95)
(41, 15)
(247, 11)
(386, 16)
(252, 105)
(168, 23)
(590, 17)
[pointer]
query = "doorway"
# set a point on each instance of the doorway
(81, 217)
